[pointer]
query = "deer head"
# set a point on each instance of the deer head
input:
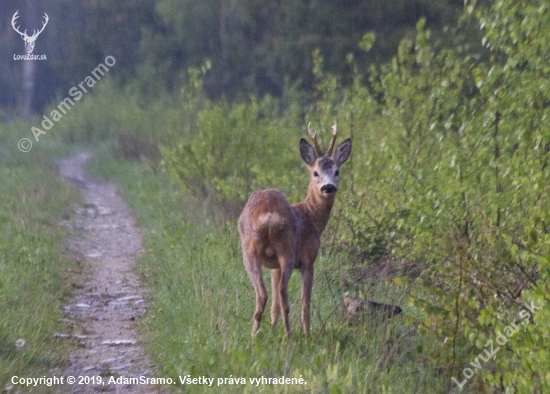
(324, 167)
(29, 40)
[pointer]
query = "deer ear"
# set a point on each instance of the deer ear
(342, 152)
(307, 152)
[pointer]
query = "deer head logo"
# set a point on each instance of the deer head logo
(29, 40)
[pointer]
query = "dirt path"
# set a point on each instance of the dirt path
(103, 315)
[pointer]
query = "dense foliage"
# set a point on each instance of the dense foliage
(465, 167)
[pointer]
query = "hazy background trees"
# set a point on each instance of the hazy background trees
(254, 46)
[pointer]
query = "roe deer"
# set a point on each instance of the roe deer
(283, 237)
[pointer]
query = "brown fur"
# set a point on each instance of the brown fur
(281, 237)
(357, 307)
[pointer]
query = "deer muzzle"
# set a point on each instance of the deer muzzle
(328, 189)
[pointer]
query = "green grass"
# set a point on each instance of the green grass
(201, 304)
(34, 267)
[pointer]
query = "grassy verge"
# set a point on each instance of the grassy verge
(34, 267)
(199, 318)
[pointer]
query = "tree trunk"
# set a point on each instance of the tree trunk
(28, 68)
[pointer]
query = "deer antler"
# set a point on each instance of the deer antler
(314, 139)
(24, 34)
(333, 140)
(15, 16)
(36, 33)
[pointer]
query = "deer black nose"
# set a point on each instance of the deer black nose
(328, 189)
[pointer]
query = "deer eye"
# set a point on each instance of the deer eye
(337, 173)
(315, 174)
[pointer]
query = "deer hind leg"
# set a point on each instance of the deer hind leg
(275, 305)
(286, 272)
(254, 270)
(307, 284)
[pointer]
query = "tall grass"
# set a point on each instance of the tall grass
(35, 271)
(199, 318)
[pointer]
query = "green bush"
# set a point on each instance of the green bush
(135, 125)
(91, 119)
(461, 192)
(232, 150)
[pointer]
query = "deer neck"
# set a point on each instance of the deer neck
(316, 209)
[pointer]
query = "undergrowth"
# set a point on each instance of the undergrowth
(35, 270)
(201, 303)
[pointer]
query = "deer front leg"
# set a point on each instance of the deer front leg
(307, 284)
(275, 306)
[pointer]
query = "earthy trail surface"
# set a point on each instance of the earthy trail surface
(103, 315)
